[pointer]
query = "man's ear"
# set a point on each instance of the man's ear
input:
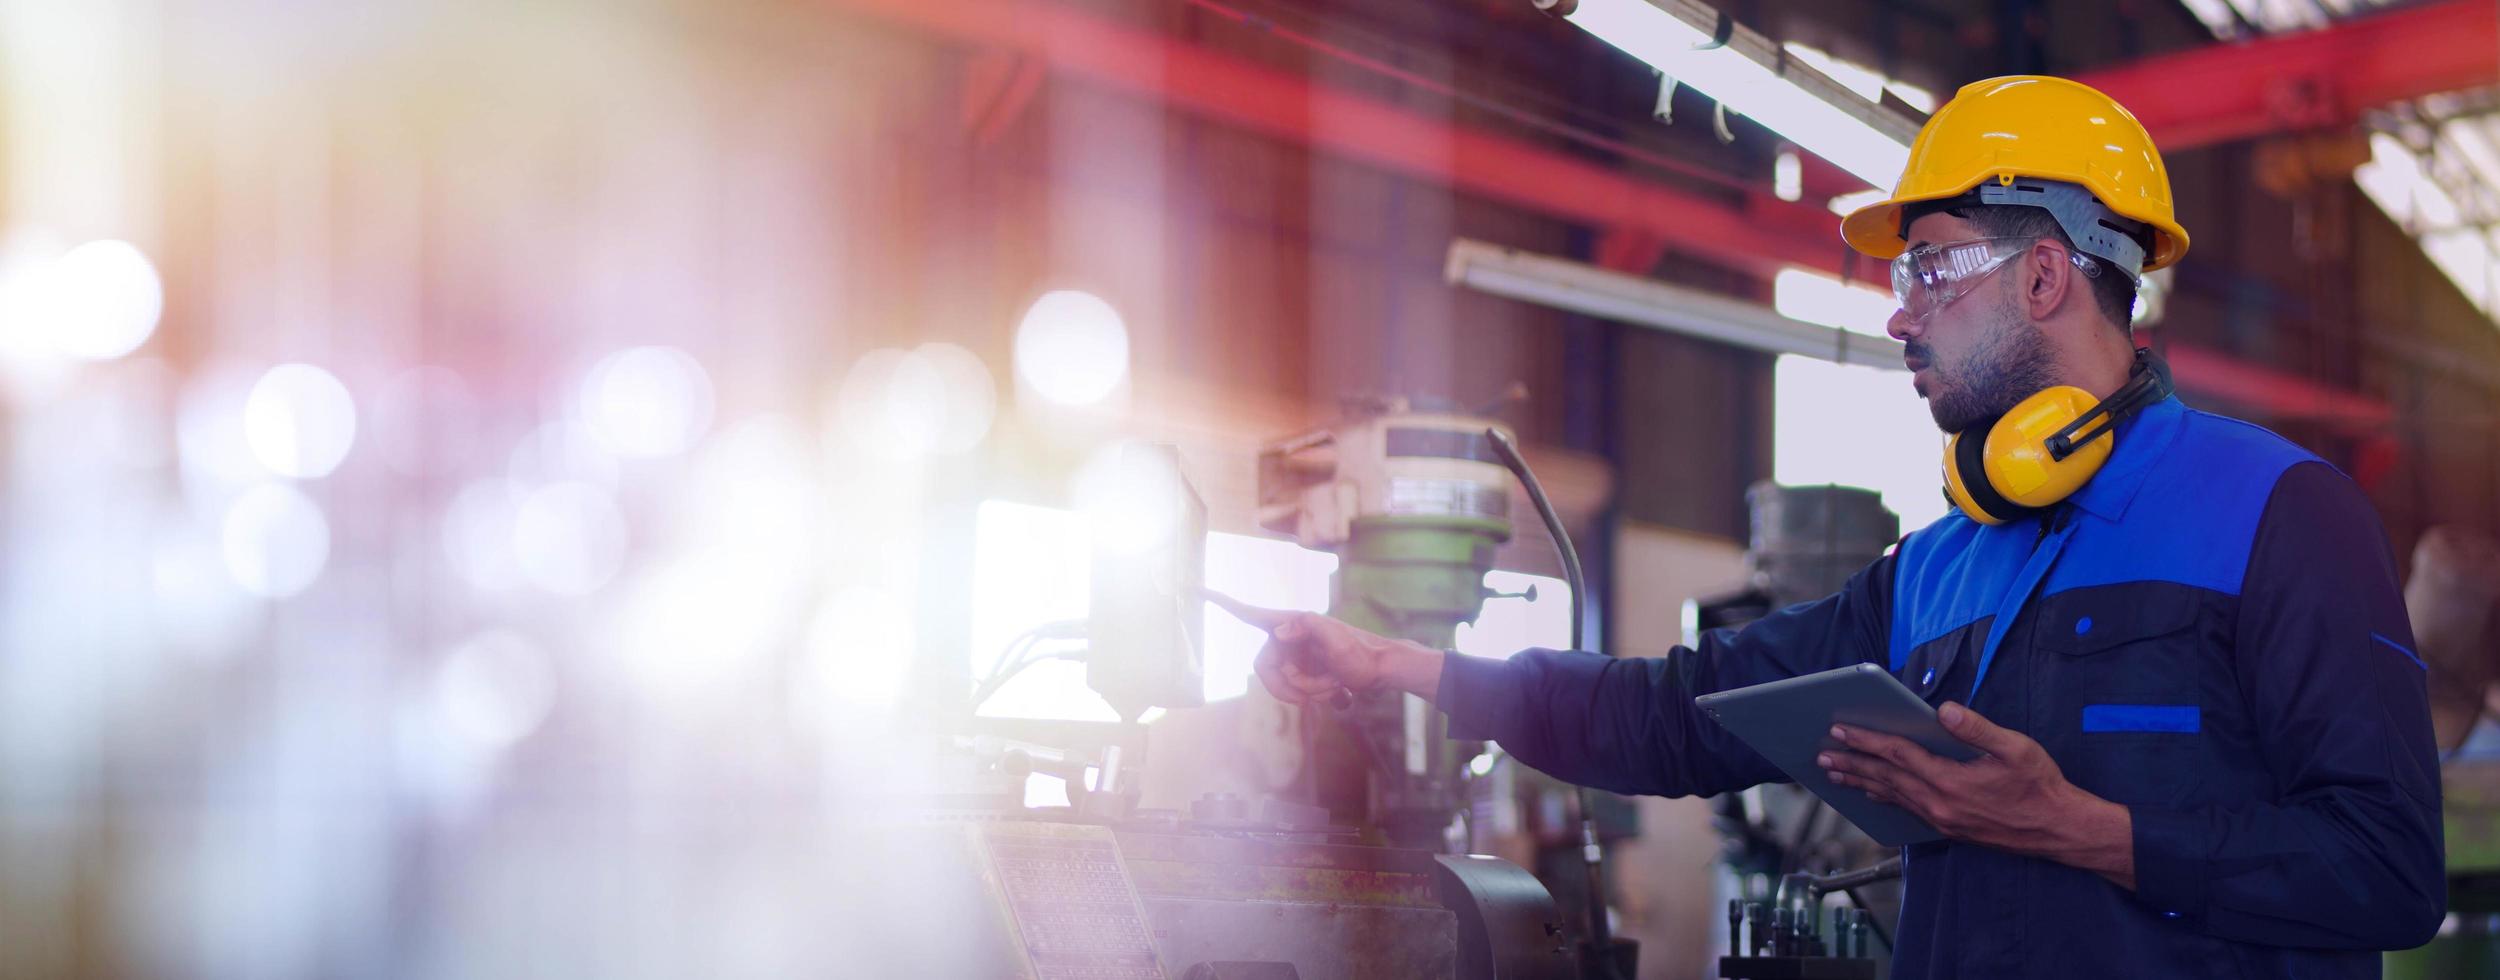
(2049, 275)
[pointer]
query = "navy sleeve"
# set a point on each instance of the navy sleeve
(2349, 852)
(1629, 726)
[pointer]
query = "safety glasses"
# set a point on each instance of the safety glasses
(1929, 278)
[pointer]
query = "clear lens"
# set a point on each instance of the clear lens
(1930, 277)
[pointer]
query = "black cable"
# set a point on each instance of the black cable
(991, 689)
(1601, 937)
(1518, 466)
(1015, 658)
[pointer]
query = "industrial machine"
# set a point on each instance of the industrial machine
(1332, 885)
(1414, 499)
(2453, 600)
(1791, 938)
(1413, 503)
(1804, 543)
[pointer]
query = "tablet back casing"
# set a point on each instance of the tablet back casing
(1789, 721)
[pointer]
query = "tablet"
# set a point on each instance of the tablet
(1790, 721)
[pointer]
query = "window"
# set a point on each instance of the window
(1848, 424)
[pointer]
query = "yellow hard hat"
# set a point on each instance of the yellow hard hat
(2029, 126)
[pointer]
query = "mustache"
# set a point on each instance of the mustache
(1918, 350)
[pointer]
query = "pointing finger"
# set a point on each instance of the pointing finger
(1271, 671)
(1258, 617)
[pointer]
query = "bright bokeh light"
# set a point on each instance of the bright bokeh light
(933, 399)
(1788, 176)
(647, 401)
(1128, 498)
(299, 421)
(1857, 426)
(106, 300)
(275, 540)
(892, 404)
(495, 689)
(424, 421)
(971, 396)
(1072, 348)
(568, 538)
(1817, 298)
(95, 302)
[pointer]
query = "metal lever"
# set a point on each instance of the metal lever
(1529, 595)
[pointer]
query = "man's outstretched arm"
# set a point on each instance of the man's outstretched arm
(1624, 725)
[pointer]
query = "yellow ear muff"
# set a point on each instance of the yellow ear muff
(1959, 460)
(2020, 466)
(2010, 472)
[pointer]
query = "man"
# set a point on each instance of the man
(2207, 749)
(2450, 597)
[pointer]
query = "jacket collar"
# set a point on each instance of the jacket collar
(2142, 440)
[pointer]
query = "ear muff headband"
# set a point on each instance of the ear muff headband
(2148, 383)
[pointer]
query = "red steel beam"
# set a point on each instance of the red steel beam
(2287, 82)
(2286, 396)
(1227, 88)
(2316, 78)
(1763, 233)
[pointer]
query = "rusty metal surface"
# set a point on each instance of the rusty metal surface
(1274, 870)
(1076, 911)
(1272, 851)
(1321, 941)
(1259, 883)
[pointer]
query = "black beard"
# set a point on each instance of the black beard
(2012, 364)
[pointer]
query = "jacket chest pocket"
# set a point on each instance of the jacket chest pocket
(2123, 642)
(2125, 711)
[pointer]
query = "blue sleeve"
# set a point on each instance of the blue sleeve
(2349, 853)
(1629, 726)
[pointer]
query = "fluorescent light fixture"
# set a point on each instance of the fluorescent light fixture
(1867, 82)
(1854, 200)
(1787, 176)
(1747, 75)
(1918, 97)
(1803, 294)
(1583, 288)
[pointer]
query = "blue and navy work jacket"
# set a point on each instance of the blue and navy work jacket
(2209, 633)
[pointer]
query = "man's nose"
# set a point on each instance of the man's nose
(1902, 327)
